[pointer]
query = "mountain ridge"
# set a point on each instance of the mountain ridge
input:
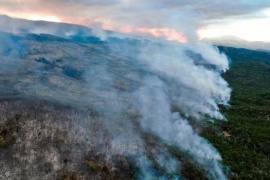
(232, 41)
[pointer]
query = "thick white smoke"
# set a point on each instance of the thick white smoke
(196, 90)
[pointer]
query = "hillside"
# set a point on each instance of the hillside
(84, 108)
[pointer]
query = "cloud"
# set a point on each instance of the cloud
(182, 16)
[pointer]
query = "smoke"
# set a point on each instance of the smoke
(136, 89)
(176, 87)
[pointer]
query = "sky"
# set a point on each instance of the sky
(182, 20)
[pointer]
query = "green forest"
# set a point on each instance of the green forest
(244, 139)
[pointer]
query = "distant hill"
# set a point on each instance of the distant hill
(64, 30)
(15, 25)
(236, 42)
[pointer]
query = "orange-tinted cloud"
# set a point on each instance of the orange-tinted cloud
(169, 34)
